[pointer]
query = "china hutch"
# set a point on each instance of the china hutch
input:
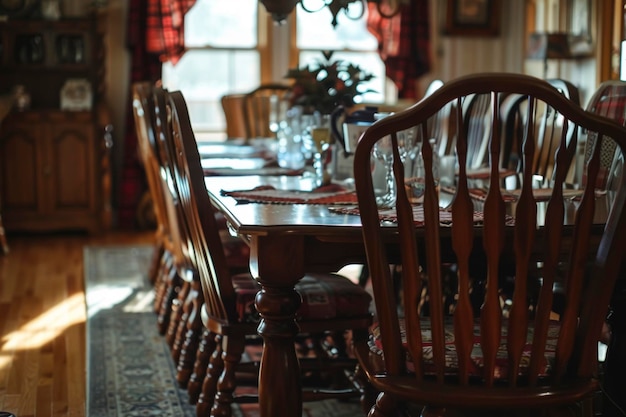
(54, 145)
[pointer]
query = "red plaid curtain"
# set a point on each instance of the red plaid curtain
(154, 35)
(403, 44)
(165, 28)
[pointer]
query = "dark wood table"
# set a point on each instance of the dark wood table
(286, 240)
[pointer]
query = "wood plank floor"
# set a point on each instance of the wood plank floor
(42, 323)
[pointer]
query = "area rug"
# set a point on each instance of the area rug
(130, 371)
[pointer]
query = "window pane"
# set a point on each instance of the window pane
(315, 33)
(229, 26)
(315, 30)
(204, 76)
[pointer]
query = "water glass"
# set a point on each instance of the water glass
(289, 153)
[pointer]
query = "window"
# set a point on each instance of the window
(229, 57)
(350, 39)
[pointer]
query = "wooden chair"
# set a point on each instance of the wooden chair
(232, 106)
(514, 112)
(491, 342)
(260, 106)
(609, 100)
(161, 269)
(176, 283)
(229, 312)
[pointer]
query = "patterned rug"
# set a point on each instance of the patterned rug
(130, 370)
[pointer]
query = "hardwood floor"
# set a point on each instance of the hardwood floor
(42, 323)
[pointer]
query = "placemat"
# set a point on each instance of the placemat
(269, 194)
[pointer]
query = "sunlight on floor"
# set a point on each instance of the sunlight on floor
(44, 328)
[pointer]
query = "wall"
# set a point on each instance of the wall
(455, 56)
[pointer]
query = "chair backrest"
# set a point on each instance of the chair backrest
(476, 109)
(609, 100)
(506, 256)
(441, 127)
(169, 193)
(261, 108)
(209, 259)
(232, 106)
(144, 117)
(549, 124)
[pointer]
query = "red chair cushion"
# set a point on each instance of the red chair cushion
(324, 296)
(451, 360)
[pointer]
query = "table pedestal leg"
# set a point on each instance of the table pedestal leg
(278, 262)
(280, 390)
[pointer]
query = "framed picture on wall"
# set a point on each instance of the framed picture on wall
(472, 18)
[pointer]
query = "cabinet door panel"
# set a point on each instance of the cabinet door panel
(21, 185)
(73, 165)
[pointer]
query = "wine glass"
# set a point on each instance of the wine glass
(383, 151)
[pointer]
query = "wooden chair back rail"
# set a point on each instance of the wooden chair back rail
(232, 106)
(522, 307)
(257, 108)
(143, 112)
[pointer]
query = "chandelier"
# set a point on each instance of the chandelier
(353, 9)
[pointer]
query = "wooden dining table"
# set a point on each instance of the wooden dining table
(286, 240)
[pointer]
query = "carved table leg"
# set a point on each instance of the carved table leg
(278, 262)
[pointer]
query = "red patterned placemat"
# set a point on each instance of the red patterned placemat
(269, 194)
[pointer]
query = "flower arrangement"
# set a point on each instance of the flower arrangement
(327, 84)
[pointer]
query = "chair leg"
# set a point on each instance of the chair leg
(233, 351)
(172, 286)
(209, 385)
(203, 355)
(189, 347)
(178, 318)
(161, 278)
(155, 262)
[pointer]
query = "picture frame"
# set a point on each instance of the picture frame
(473, 18)
(76, 95)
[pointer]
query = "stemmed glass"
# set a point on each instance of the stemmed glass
(383, 151)
(317, 140)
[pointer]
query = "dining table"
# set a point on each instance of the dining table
(291, 227)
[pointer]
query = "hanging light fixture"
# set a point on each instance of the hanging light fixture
(280, 9)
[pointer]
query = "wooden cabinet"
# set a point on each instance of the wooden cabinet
(54, 163)
(52, 172)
